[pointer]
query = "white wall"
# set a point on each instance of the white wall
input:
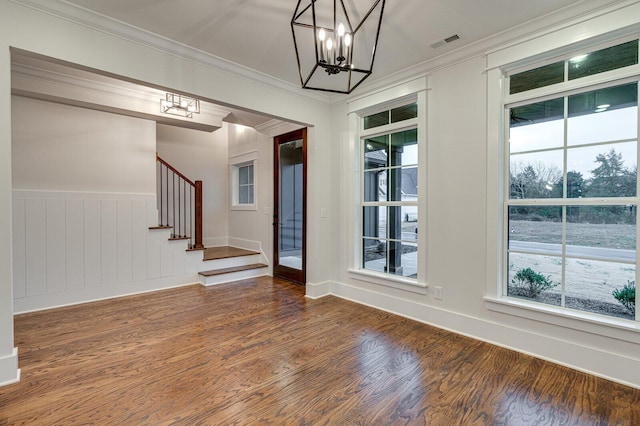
(202, 156)
(65, 148)
(252, 229)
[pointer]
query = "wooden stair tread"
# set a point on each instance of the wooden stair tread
(161, 227)
(225, 252)
(179, 238)
(221, 271)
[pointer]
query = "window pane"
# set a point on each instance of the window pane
(607, 232)
(403, 259)
(376, 120)
(409, 223)
(250, 194)
(374, 222)
(537, 77)
(603, 60)
(535, 277)
(374, 255)
(375, 185)
(243, 175)
(250, 173)
(603, 115)
(404, 148)
(403, 184)
(394, 222)
(603, 170)
(535, 229)
(243, 195)
(405, 112)
(536, 175)
(537, 126)
(376, 152)
(590, 285)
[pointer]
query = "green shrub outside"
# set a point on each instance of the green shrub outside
(627, 296)
(532, 282)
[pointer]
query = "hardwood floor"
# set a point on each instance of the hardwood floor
(258, 352)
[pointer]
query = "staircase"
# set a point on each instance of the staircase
(231, 264)
(180, 216)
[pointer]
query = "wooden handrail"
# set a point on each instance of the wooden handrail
(170, 167)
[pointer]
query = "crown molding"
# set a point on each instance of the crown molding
(85, 17)
(557, 20)
(107, 94)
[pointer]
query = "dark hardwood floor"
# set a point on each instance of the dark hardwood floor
(258, 352)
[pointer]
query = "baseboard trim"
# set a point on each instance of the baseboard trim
(318, 290)
(88, 295)
(245, 244)
(215, 241)
(597, 362)
(9, 371)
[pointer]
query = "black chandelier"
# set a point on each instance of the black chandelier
(341, 41)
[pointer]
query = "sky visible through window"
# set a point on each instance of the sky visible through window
(607, 126)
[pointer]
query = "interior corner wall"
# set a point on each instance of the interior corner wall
(201, 155)
(252, 229)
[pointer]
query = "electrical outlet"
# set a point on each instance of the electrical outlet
(437, 293)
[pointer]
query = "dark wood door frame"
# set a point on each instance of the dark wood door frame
(282, 271)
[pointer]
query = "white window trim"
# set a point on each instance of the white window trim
(235, 162)
(497, 97)
(413, 91)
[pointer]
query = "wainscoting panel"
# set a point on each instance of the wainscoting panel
(92, 244)
(71, 247)
(55, 239)
(19, 249)
(36, 252)
(125, 241)
(75, 244)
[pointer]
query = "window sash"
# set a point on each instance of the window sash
(567, 260)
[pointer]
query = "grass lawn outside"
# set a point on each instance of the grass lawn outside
(589, 284)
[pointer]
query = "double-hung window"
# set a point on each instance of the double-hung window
(389, 191)
(571, 182)
(243, 182)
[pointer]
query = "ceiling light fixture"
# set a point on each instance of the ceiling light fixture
(183, 106)
(334, 41)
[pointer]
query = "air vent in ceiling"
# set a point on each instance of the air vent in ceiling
(445, 41)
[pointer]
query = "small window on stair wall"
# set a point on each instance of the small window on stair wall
(243, 183)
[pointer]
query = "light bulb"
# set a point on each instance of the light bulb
(321, 34)
(329, 44)
(347, 40)
(340, 30)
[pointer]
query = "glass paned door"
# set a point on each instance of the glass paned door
(290, 202)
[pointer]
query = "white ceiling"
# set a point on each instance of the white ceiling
(257, 33)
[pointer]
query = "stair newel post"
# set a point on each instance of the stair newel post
(198, 214)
